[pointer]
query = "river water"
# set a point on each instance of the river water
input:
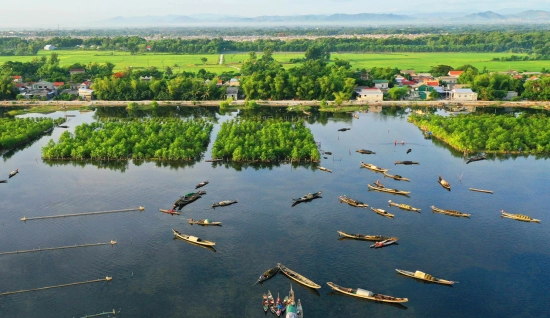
(500, 264)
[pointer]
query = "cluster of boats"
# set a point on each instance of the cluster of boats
(292, 308)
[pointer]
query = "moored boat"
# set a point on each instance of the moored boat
(173, 212)
(299, 309)
(224, 203)
(13, 173)
(202, 184)
(365, 152)
(519, 217)
(388, 190)
(352, 202)
(324, 169)
(344, 129)
(204, 222)
(396, 177)
(444, 183)
(188, 198)
(403, 206)
(213, 160)
(362, 293)
(271, 301)
(450, 212)
(279, 306)
(383, 212)
(356, 116)
(481, 190)
(406, 162)
(268, 274)
(425, 277)
(308, 197)
(192, 239)
(366, 237)
(297, 277)
(476, 158)
(373, 167)
(383, 243)
(265, 303)
(3, 181)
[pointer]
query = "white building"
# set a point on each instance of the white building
(367, 94)
(49, 47)
(463, 94)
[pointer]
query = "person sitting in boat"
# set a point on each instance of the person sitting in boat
(378, 184)
(309, 196)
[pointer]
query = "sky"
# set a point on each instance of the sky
(70, 13)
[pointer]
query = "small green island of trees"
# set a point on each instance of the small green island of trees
(14, 132)
(529, 133)
(152, 138)
(270, 140)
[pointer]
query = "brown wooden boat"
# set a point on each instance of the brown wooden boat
(204, 222)
(444, 183)
(373, 167)
(297, 277)
(450, 212)
(173, 212)
(396, 177)
(425, 277)
(361, 293)
(366, 237)
(383, 212)
(352, 202)
(519, 217)
(403, 206)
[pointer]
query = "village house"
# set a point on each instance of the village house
(17, 79)
(455, 73)
(85, 92)
(232, 92)
(49, 47)
(368, 94)
(145, 78)
(463, 94)
(381, 84)
(510, 95)
(233, 82)
(77, 71)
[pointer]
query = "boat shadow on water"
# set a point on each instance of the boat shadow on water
(338, 294)
(203, 246)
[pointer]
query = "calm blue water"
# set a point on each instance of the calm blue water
(501, 264)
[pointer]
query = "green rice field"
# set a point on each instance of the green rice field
(192, 63)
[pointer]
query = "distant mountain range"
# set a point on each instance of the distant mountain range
(530, 16)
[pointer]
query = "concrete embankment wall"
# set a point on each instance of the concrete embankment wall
(282, 103)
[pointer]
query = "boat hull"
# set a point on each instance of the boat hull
(375, 297)
(297, 277)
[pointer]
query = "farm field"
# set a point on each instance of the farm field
(192, 63)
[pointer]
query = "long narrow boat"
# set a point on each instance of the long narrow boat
(324, 169)
(173, 212)
(361, 293)
(268, 274)
(297, 277)
(519, 217)
(224, 203)
(365, 152)
(388, 190)
(403, 206)
(444, 183)
(383, 243)
(425, 277)
(204, 222)
(13, 173)
(477, 158)
(308, 197)
(271, 301)
(352, 202)
(383, 212)
(188, 198)
(299, 310)
(202, 184)
(406, 162)
(396, 177)
(192, 239)
(450, 212)
(3, 181)
(480, 190)
(265, 303)
(373, 167)
(366, 237)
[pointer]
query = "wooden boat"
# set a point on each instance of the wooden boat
(373, 167)
(3, 181)
(63, 126)
(192, 239)
(173, 212)
(308, 197)
(13, 173)
(328, 153)
(324, 169)
(297, 277)
(365, 152)
(265, 303)
(396, 177)
(268, 274)
(204, 222)
(271, 301)
(403, 206)
(202, 184)
(361, 293)
(444, 183)
(425, 277)
(383, 243)
(344, 129)
(388, 190)
(450, 212)
(477, 158)
(356, 116)
(188, 198)
(213, 160)
(224, 203)
(279, 307)
(383, 212)
(299, 310)
(480, 190)
(352, 202)
(519, 217)
(406, 162)
(366, 237)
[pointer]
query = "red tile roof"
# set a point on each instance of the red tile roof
(405, 82)
(432, 83)
(455, 73)
(56, 84)
(16, 77)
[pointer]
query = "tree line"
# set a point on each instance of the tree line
(148, 138)
(528, 133)
(269, 140)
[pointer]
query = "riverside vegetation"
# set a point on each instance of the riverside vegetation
(269, 140)
(491, 133)
(154, 138)
(14, 132)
